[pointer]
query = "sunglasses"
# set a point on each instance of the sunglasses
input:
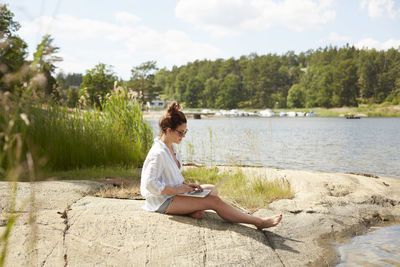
(182, 133)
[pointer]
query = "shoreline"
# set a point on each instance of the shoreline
(363, 111)
(327, 207)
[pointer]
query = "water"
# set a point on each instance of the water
(379, 247)
(368, 145)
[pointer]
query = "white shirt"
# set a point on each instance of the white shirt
(159, 170)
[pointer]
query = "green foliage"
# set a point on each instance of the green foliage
(251, 193)
(143, 81)
(194, 89)
(43, 63)
(229, 95)
(12, 52)
(66, 81)
(329, 77)
(180, 85)
(210, 92)
(7, 25)
(296, 97)
(90, 173)
(98, 82)
(69, 139)
(73, 97)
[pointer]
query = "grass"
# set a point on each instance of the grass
(247, 192)
(250, 193)
(90, 174)
(37, 139)
(60, 139)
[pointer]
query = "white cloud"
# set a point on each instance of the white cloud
(126, 18)
(335, 37)
(223, 17)
(73, 64)
(371, 43)
(121, 45)
(378, 8)
(67, 26)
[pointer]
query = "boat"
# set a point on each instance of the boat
(282, 113)
(311, 114)
(351, 116)
(267, 113)
(291, 114)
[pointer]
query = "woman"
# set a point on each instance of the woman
(162, 179)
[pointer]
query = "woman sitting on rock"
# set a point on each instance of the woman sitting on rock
(162, 180)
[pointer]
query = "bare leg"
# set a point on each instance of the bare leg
(199, 214)
(186, 205)
(210, 187)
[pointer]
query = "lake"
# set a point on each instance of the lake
(367, 145)
(379, 247)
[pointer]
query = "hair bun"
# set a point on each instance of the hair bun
(174, 107)
(172, 118)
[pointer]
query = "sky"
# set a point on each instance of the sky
(126, 33)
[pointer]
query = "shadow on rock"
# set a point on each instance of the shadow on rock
(213, 222)
(277, 242)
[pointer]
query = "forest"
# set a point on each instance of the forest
(326, 77)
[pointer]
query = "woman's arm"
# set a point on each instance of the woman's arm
(184, 188)
(152, 171)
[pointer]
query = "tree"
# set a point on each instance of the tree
(193, 92)
(98, 82)
(210, 92)
(43, 63)
(250, 75)
(143, 80)
(328, 77)
(12, 52)
(229, 94)
(66, 81)
(72, 97)
(180, 85)
(345, 84)
(296, 97)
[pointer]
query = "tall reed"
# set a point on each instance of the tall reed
(113, 135)
(15, 161)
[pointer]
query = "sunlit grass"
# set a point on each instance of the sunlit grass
(64, 139)
(90, 174)
(250, 193)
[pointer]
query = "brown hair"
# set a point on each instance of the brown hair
(172, 118)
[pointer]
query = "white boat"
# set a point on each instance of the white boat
(291, 114)
(267, 113)
(282, 113)
(237, 113)
(300, 114)
(311, 114)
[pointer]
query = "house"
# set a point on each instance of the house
(157, 103)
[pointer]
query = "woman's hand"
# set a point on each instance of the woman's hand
(195, 186)
(185, 188)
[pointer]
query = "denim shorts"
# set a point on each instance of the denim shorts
(165, 205)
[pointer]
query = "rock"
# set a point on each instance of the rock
(93, 231)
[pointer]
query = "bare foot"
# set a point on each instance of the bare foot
(269, 222)
(199, 214)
